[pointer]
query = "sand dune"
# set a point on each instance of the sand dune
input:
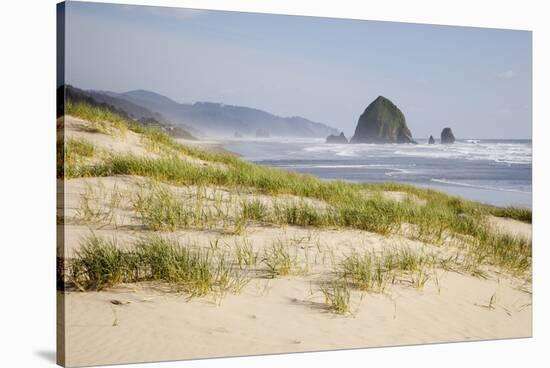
(150, 322)
(282, 314)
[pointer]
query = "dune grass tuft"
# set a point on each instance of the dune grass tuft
(98, 205)
(245, 255)
(100, 263)
(71, 154)
(159, 209)
(374, 271)
(102, 120)
(520, 214)
(254, 210)
(337, 296)
(279, 259)
(78, 147)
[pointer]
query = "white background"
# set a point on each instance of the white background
(27, 180)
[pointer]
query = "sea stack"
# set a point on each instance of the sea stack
(382, 122)
(339, 139)
(447, 136)
(431, 140)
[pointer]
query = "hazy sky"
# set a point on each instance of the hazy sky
(477, 81)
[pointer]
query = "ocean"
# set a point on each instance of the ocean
(497, 172)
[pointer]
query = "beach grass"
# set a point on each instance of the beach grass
(160, 209)
(365, 272)
(375, 271)
(438, 219)
(102, 120)
(98, 204)
(254, 210)
(337, 296)
(520, 214)
(71, 154)
(245, 255)
(280, 260)
(78, 147)
(100, 263)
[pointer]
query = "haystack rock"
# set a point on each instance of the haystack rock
(431, 140)
(382, 122)
(340, 139)
(447, 136)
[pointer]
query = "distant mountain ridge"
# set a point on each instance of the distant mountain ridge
(203, 118)
(120, 106)
(218, 119)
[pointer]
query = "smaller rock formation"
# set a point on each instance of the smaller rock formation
(237, 135)
(447, 136)
(340, 139)
(262, 133)
(431, 140)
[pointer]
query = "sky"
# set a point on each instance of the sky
(477, 81)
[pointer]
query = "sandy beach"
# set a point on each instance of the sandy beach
(149, 321)
(280, 316)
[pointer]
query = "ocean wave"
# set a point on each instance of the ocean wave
(397, 171)
(342, 166)
(488, 187)
(499, 152)
(337, 149)
(519, 154)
